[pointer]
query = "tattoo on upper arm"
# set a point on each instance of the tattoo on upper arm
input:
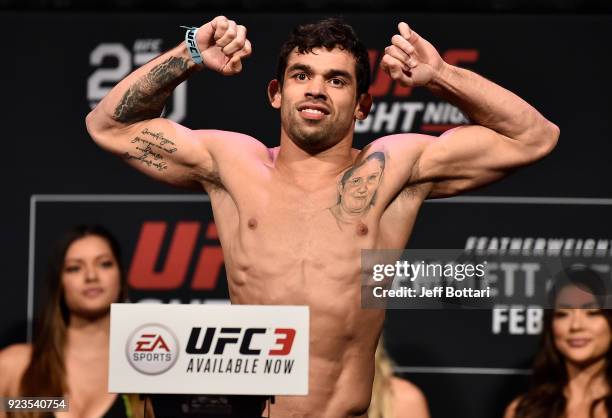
(145, 99)
(150, 148)
(358, 187)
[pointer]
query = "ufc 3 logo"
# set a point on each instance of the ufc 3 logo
(227, 336)
(151, 342)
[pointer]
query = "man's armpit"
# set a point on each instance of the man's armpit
(211, 178)
(415, 186)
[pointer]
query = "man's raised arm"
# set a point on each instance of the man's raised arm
(127, 123)
(507, 132)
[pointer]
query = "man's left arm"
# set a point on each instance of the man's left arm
(507, 132)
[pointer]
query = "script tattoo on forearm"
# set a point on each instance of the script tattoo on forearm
(150, 148)
(145, 99)
(357, 188)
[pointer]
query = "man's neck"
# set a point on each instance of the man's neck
(295, 161)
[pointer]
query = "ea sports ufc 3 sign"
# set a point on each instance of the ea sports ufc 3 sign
(206, 349)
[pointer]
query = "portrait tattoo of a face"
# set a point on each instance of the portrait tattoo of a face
(357, 188)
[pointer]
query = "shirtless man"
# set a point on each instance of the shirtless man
(286, 234)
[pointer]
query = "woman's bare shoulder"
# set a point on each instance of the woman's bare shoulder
(14, 359)
(408, 399)
(511, 408)
(15, 353)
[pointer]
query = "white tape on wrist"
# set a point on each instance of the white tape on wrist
(192, 45)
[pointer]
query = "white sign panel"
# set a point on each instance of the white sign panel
(209, 349)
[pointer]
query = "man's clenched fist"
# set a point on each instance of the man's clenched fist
(410, 59)
(223, 44)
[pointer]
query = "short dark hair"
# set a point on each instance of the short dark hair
(328, 33)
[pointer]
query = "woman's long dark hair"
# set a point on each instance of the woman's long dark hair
(46, 373)
(546, 398)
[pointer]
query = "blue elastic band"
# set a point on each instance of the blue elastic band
(192, 46)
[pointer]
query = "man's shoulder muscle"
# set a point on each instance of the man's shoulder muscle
(231, 145)
(234, 156)
(402, 154)
(401, 142)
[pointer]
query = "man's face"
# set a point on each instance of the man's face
(319, 98)
(358, 190)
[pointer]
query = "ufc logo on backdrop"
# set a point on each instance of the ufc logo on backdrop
(395, 111)
(182, 251)
(235, 336)
(382, 83)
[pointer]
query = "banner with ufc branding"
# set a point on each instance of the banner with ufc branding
(231, 350)
(170, 244)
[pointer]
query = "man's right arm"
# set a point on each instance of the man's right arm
(127, 123)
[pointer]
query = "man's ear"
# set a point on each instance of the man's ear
(364, 104)
(274, 93)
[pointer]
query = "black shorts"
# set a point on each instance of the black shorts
(208, 406)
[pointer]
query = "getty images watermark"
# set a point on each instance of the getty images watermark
(403, 269)
(456, 279)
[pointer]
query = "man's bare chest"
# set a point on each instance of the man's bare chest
(295, 228)
(288, 212)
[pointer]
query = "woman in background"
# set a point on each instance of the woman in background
(69, 355)
(572, 371)
(393, 397)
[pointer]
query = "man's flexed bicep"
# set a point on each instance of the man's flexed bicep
(460, 160)
(127, 121)
(507, 132)
(473, 156)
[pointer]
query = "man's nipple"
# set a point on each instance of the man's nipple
(362, 229)
(252, 224)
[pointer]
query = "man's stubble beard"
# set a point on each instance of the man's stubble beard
(314, 136)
